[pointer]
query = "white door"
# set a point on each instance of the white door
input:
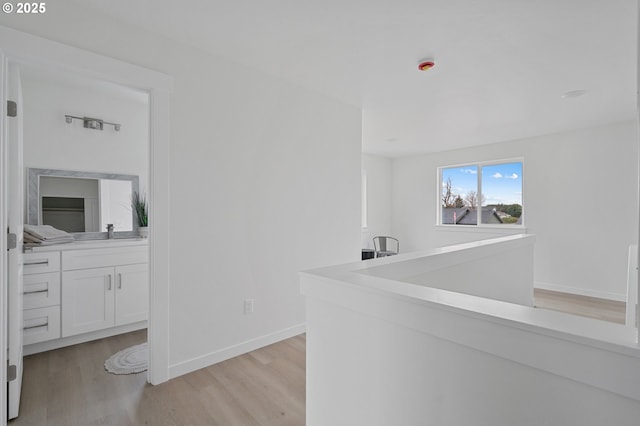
(15, 201)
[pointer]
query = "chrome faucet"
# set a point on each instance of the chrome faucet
(110, 230)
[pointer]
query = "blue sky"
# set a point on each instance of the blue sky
(501, 183)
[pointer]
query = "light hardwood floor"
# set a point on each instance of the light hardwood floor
(69, 386)
(606, 310)
(265, 387)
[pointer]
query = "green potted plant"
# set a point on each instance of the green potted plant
(139, 204)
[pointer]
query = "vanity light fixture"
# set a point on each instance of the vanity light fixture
(92, 123)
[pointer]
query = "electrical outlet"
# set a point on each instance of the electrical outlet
(248, 306)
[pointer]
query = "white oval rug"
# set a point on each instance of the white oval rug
(128, 361)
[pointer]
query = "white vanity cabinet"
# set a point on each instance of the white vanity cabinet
(83, 291)
(103, 288)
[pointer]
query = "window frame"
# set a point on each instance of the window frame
(364, 200)
(480, 165)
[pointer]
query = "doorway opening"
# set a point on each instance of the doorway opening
(32, 52)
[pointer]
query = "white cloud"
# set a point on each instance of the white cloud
(498, 175)
(469, 171)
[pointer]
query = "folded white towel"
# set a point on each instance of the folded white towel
(30, 240)
(47, 232)
(45, 235)
(47, 243)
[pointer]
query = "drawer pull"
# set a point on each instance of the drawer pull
(109, 285)
(40, 262)
(35, 322)
(35, 326)
(120, 281)
(36, 292)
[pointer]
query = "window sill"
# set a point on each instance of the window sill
(485, 229)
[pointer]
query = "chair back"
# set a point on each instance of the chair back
(385, 246)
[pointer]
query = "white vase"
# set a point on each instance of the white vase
(143, 231)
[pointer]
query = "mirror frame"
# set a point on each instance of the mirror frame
(33, 198)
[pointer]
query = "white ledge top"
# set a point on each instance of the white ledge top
(384, 275)
(89, 244)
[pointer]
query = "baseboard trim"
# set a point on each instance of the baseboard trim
(181, 368)
(581, 291)
(50, 345)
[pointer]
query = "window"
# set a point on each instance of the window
(481, 194)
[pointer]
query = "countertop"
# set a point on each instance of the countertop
(87, 244)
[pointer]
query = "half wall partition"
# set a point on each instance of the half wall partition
(420, 338)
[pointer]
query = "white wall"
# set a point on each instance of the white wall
(49, 142)
(513, 283)
(580, 199)
(378, 171)
(265, 181)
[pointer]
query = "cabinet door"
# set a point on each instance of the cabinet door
(132, 293)
(87, 300)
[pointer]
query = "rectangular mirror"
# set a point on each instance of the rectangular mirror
(82, 203)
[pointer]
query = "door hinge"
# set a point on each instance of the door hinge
(12, 241)
(12, 372)
(12, 109)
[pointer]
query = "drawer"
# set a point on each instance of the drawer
(99, 258)
(41, 324)
(41, 290)
(38, 263)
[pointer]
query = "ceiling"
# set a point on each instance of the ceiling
(501, 69)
